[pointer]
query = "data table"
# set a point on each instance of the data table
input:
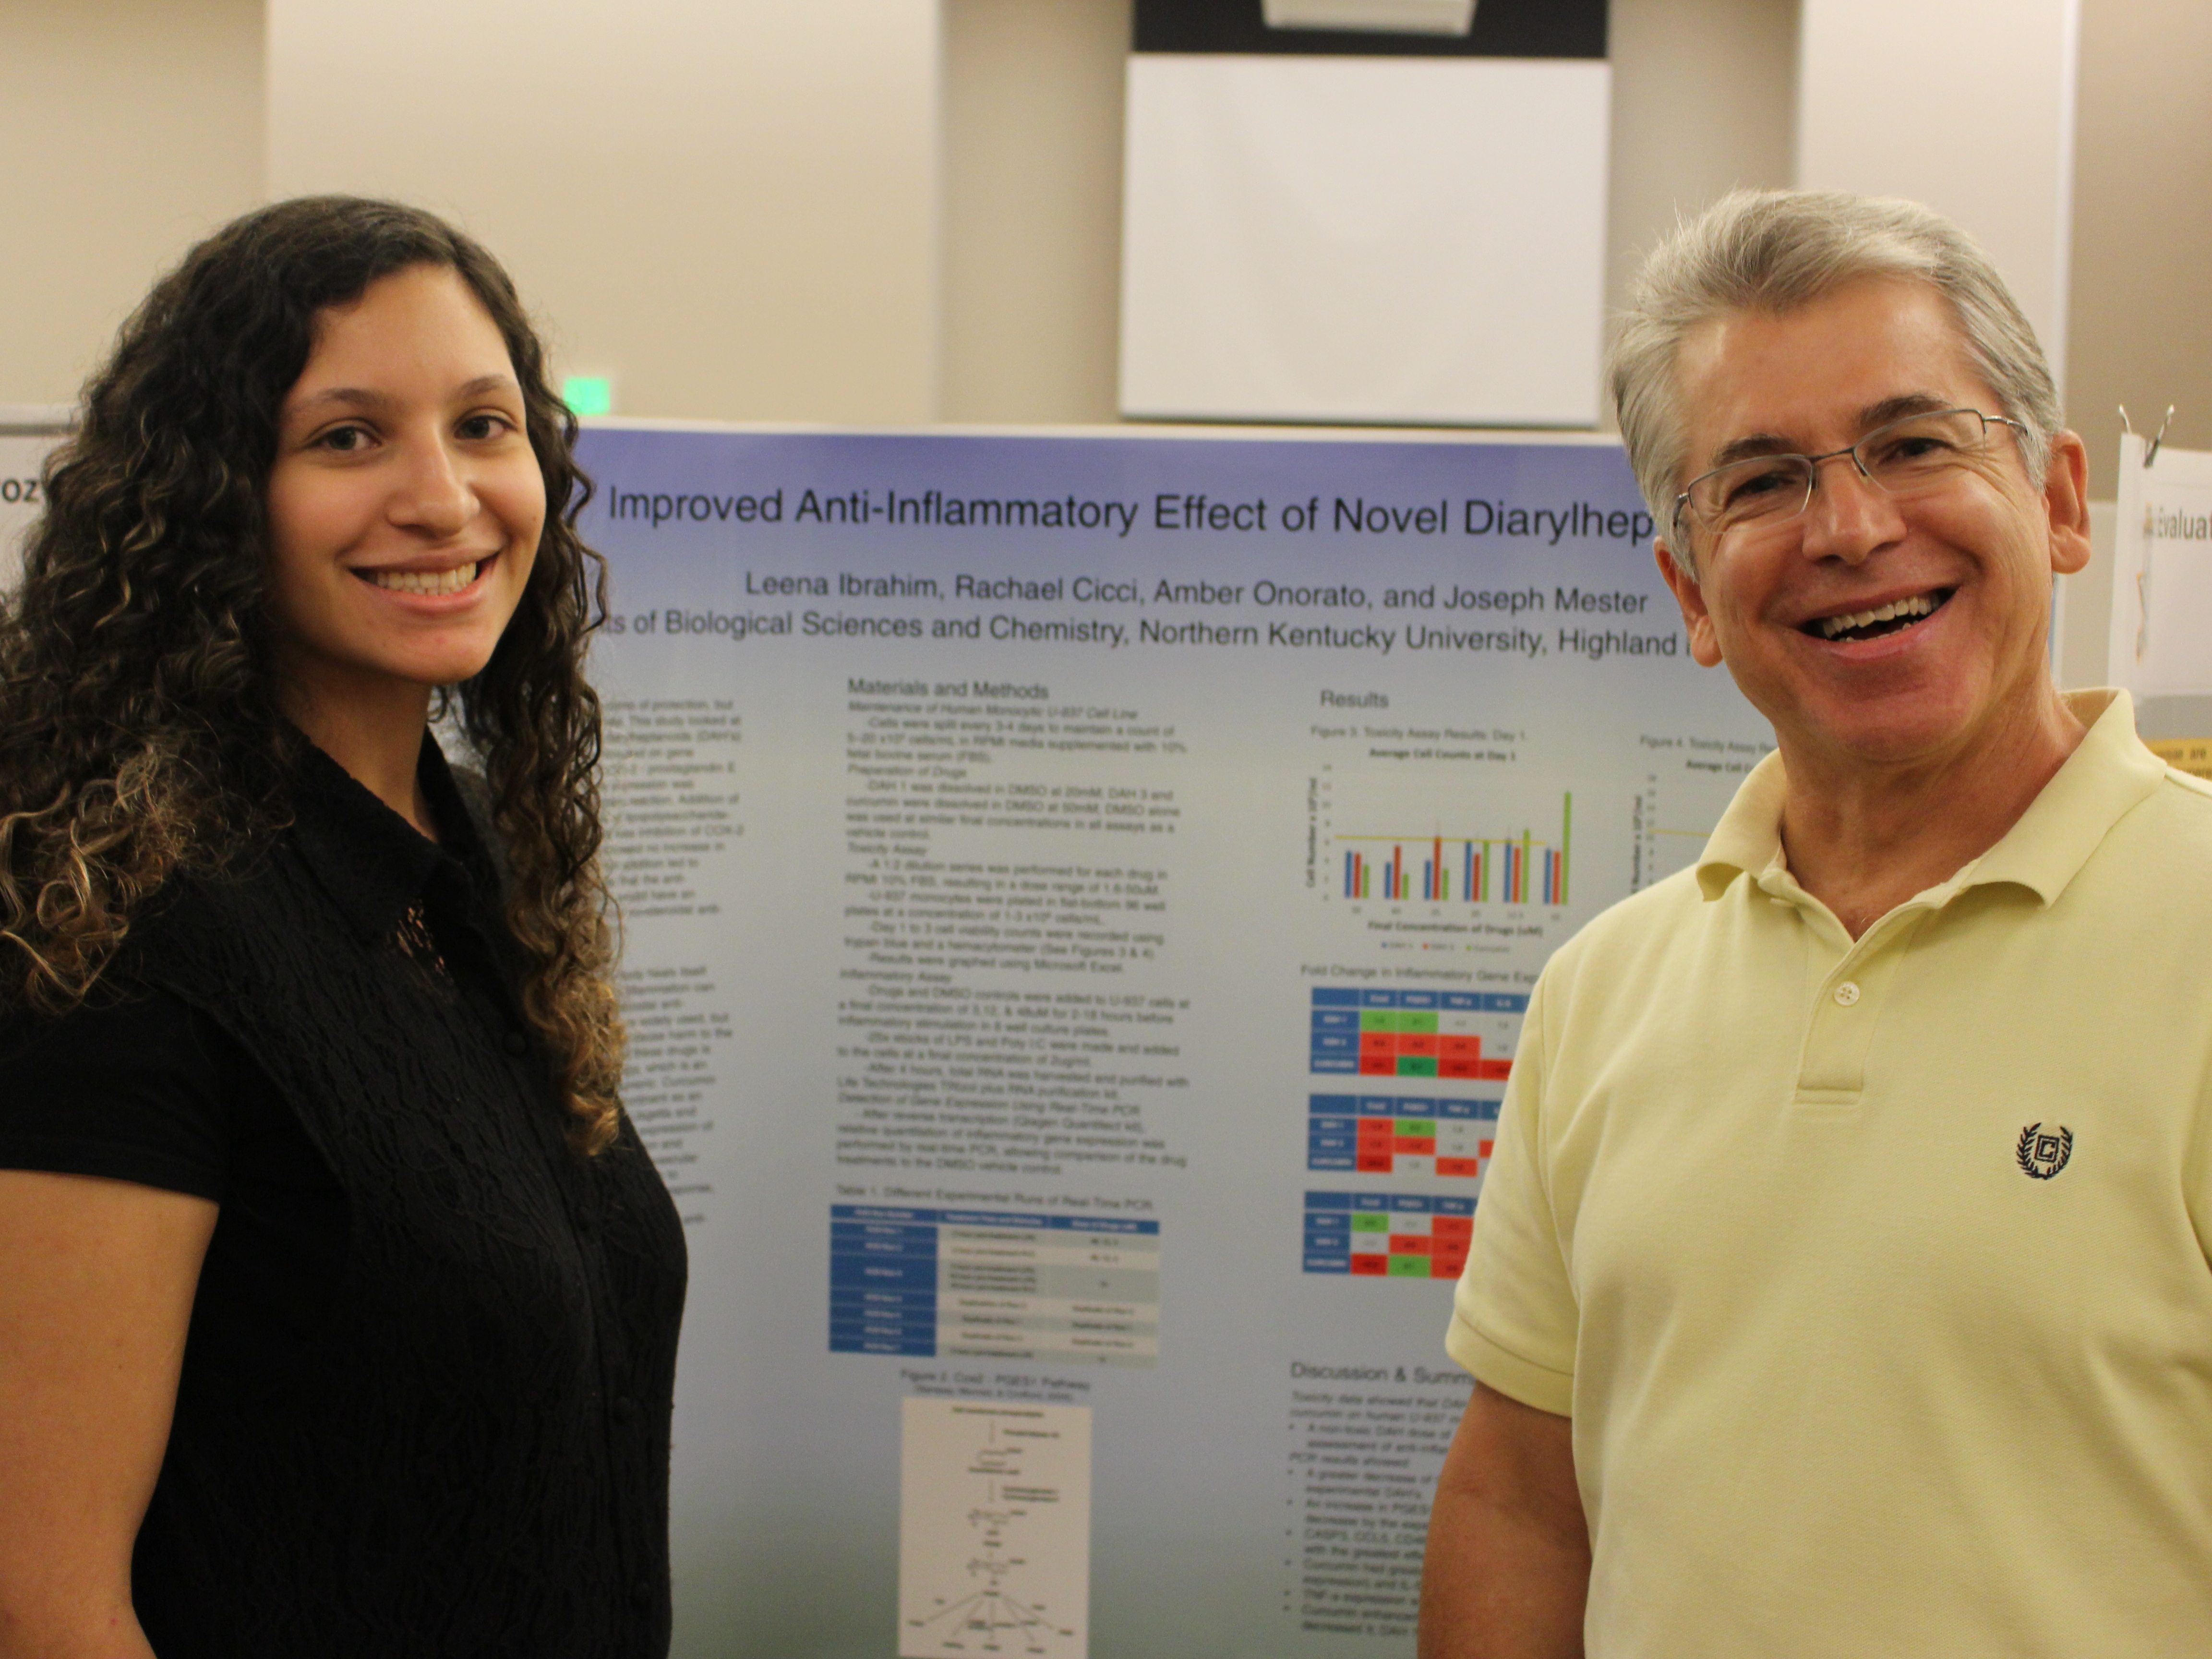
(1372, 1033)
(1401, 1135)
(990, 1283)
(1386, 1235)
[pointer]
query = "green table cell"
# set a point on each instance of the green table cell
(1379, 1019)
(1416, 1020)
(1370, 1221)
(1416, 1126)
(1417, 1064)
(1409, 1266)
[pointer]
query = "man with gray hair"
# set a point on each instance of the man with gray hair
(1840, 1284)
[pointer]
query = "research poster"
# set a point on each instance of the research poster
(1080, 893)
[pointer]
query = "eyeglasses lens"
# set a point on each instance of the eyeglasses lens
(1904, 458)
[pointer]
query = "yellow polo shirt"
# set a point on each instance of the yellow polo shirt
(1875, 1275)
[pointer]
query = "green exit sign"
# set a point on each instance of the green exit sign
(588, 394)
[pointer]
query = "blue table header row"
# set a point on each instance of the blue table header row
(1465, 1002)
(1403, 1203)
(1398, 1106)
(1087, 1224)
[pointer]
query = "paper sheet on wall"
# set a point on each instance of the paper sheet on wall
(2162, 637)
(22, 455)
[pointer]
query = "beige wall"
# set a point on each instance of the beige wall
(1702, 100)
(2142, 309)
(729, 206)
(892, 211)
(1032, 208)
(1977, 121)
(728, 209)
(131, 127)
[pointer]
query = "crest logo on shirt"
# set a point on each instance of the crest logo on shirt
(2042, 1153)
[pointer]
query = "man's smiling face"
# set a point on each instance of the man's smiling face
(1964, 572)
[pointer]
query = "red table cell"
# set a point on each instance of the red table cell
(1377, 1129)
(1461, 1227)
(1414, 1145)
(1377, 1265)
(1418, 1043)
(1379, 1064)
(1409, 1243)
(1493, 1071)
(1459, 1166)
(1378, 1042)
(1448, 1266)
(1369, 1163)
(1460, 1048)
(1471, 1070)
(1486, 1145)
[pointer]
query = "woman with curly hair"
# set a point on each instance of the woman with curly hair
(338, 1301)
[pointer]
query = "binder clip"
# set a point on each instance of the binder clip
(2158, 441)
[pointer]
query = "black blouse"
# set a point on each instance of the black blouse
(425, 1401)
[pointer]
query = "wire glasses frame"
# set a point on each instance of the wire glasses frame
(1903, 458)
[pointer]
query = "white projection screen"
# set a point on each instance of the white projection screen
(1365, 238)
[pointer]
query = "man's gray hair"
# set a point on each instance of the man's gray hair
(1775, 249)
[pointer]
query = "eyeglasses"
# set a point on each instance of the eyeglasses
(1916, 456)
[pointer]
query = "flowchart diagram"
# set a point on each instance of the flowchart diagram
(995, 1530)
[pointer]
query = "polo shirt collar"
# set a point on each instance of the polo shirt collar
(373, 864)
(2108, 775)
(1748, 841)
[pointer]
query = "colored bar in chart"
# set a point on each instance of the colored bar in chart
(1386, 1235)
(1525, 869)
(1401, 1135)
(1372, 1033)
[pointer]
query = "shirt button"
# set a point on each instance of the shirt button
(516, 1043)
(625, 1409)
(1846, 995)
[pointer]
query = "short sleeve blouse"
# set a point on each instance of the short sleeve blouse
(425, 1400)
(146, 1089)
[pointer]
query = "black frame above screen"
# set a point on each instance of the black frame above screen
(1502, 28)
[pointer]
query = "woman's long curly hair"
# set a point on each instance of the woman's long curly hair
(140, 733)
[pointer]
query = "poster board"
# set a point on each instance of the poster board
(1080, 896)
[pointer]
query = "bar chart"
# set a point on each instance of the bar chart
(1389, 1033)
(1438, 868)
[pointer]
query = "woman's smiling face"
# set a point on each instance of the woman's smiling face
(405, 503)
